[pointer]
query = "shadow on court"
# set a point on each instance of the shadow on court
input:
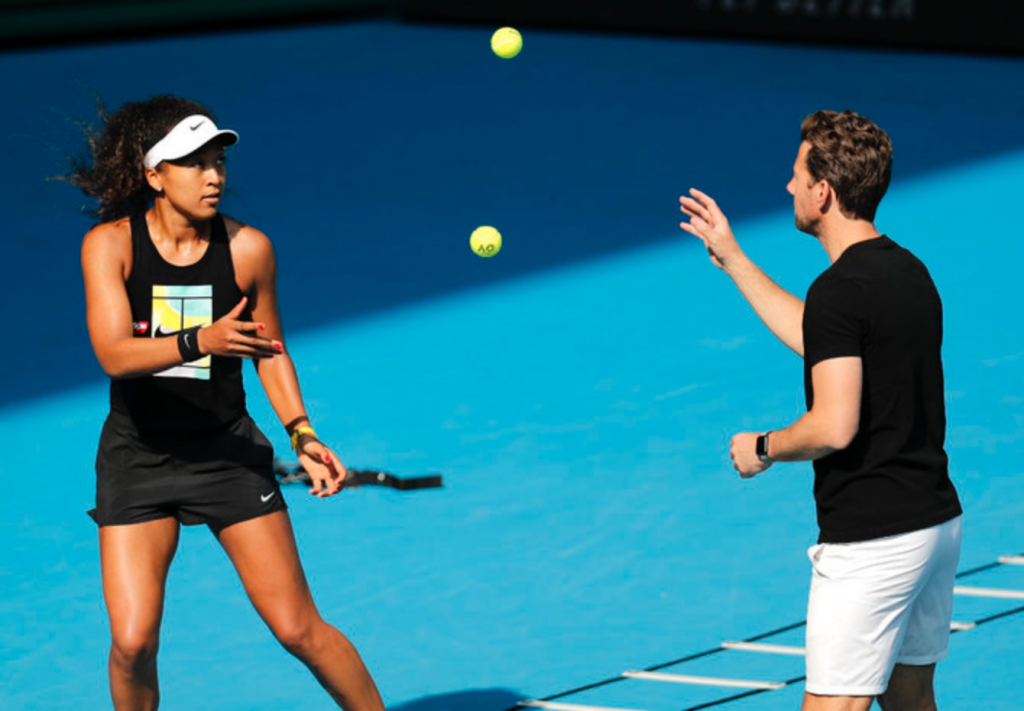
(470, 700)
(371, 171)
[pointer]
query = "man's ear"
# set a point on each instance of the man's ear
(824, 196)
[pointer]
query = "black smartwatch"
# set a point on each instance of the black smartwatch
(762, 448)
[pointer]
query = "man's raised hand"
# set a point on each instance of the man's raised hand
(710, 225)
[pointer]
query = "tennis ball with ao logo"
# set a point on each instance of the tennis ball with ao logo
(507, 42)
(485, 241)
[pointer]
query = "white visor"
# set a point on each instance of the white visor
(189, 135)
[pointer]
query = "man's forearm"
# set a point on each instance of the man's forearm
(781, 311)
(807, 439)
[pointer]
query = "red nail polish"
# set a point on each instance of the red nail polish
(260, 326)
(327, 457)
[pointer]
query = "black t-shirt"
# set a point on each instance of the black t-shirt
(878, 302)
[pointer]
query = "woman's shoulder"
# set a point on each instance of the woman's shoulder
(251, 252)
(109, 237)
(243, 234)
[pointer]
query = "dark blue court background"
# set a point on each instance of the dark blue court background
(369, 156)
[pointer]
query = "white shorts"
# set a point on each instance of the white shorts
(877, 603)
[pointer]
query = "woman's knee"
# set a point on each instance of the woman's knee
(298, 633)
(134, 649)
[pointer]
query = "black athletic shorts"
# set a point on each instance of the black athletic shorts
(218, 478)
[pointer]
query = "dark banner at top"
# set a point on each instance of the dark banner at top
(34, 22)
(995, 26)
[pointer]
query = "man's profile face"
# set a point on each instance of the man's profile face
(802, 188)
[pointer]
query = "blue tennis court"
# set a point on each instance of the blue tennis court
(577, 391)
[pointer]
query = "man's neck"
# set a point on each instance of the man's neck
(836, 236)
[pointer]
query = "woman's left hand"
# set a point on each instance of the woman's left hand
(323, 466)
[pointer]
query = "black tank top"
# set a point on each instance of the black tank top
(194, 397)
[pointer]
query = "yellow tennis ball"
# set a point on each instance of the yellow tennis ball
(485, 241)
(507, 42)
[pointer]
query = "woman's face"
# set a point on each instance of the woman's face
(194, 184)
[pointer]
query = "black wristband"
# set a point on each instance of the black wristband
(188, 344)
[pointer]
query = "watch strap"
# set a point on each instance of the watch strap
(761, 447)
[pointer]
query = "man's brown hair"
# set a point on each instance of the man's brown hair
(854, 155)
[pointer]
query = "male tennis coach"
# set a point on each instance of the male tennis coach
(870, 334)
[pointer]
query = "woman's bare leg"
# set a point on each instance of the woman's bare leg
(264, 554)
(134, 560)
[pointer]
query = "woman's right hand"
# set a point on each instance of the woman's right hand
(228, 336)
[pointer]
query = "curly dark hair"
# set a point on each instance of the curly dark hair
(115, 177)
(854, 155)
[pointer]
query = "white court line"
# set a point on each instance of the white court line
(1001, 593)
(1011, 559)
(704, 680)
(765, 648)
(554, 706)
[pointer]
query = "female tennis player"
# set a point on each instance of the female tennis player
(177, 295)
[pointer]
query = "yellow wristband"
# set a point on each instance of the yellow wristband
(298, 432)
